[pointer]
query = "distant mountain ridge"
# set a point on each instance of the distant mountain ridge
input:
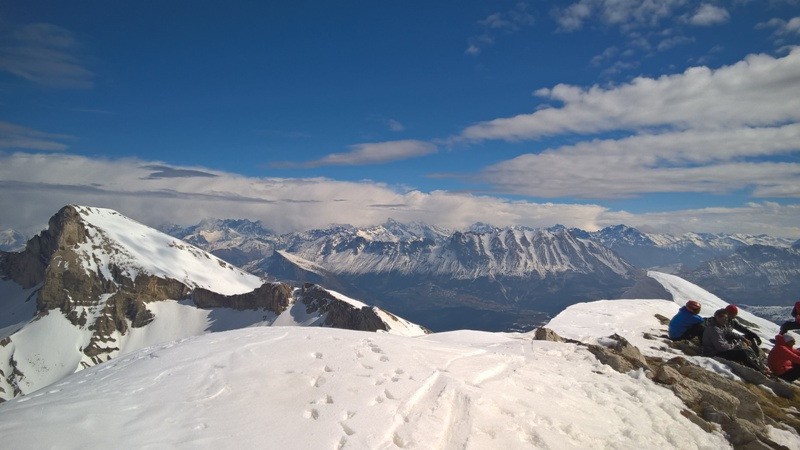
(648, 250)
(501, 269)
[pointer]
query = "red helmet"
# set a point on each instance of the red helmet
(732, 310)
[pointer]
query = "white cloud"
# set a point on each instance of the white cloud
(14, 136)
(371, 153)
(510, 21)
(44, 54)
(707, 15)
(702, 131)
(753, 218)
(395, 125)
(708, 161)
(35, 186)
(783, 29)
(672, 42)
(626, 14)
(758, 91)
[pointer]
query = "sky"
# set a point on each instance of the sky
(668, 116)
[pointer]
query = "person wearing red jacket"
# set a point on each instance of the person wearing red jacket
(783, 360)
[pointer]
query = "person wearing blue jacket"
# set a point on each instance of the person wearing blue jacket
(687, 324)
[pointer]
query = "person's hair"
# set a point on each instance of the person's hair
(721, 312)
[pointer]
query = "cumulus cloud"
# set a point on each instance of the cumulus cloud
(707, 15)
(13, 136)
(44, 54)
(370, 153)
(759, 91)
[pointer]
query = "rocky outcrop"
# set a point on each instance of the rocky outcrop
(28, 267)
(742, 410)
(338, 313)
(274, 297)
(105, 302)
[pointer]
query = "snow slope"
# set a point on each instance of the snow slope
(137, 248)
(328, 388)
(293, 388)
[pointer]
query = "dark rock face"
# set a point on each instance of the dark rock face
(273, 297)
(29, 266)
(340, 314)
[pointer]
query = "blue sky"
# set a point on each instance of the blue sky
(670, 116)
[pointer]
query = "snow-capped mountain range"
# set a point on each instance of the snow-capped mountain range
(419, 267)
(11, 240)
(97, 285)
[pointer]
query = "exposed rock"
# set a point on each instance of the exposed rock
(662, 319)
(620, 355)
(742, 409)
(28, 267)
(339, 314)
(273, 297)
(546, 334)
(667, 375)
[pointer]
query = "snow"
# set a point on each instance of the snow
(45, 350)
(239, 383)
(302, 263)
(291, 387)
(138, 248)
(348, 300)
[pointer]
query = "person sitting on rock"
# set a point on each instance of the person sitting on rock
(687, 323)
(783, 360)
(792, 324)
(718, 340)
(735, 324)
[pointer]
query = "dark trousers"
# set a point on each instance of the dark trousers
(791, 374)
(742, 356)
(695, 331)
(788, 326)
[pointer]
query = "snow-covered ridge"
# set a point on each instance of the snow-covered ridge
(134, 248)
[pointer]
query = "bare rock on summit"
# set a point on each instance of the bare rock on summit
(273, 297)
(621, 355)
(546, 334)
(742, 409)
(339, 314)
